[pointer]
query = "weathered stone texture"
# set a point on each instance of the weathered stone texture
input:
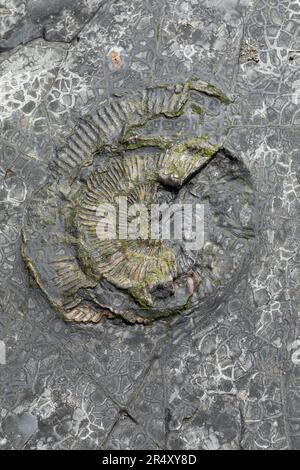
(230, 383)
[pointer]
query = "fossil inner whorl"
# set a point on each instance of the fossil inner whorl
(137, 265)
(149, 148)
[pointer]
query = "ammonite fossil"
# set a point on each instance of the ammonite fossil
(159, 147)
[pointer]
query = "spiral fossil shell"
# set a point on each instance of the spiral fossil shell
(108, 156)
(131, 265)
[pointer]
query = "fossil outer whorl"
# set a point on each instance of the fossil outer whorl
(114, 153)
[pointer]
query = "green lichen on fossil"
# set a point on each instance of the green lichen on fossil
(208, 89)
(138, 265)
(128, 264)
(197, 109)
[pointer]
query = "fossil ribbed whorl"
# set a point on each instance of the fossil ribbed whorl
(147, 149)
(134, 264)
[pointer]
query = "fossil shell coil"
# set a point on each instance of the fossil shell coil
(112, 155)
(134, 263)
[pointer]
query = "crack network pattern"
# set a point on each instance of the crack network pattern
(227, 382)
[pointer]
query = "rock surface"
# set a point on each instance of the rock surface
(232, 383)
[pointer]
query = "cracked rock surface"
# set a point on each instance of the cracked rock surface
(228, 383)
